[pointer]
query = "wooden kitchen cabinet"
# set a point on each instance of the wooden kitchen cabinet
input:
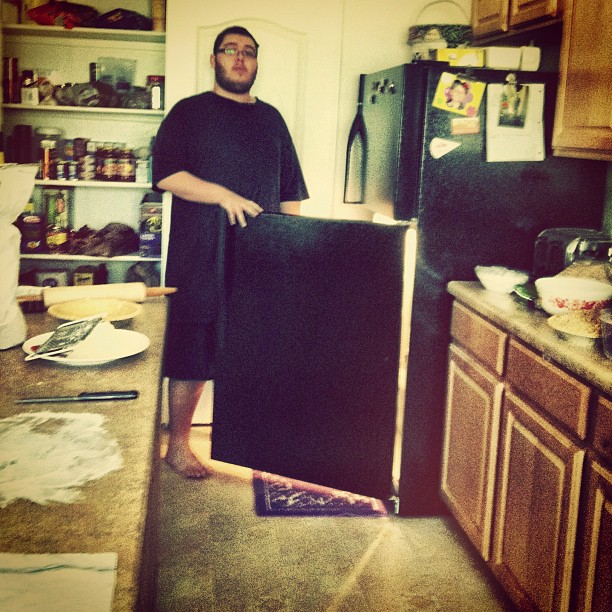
(562, 396)
(583, 124)
(594, 555)
(536, 509)
(497, 16)
(470, 446)
(526, 465)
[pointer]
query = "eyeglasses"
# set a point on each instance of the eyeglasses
(232, 52)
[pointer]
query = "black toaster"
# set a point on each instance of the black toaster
(556, 248)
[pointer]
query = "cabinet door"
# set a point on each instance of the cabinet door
(489, 16)
(470, 446)
(583, 126)
(536, 508)
(595, 548)
(522, 11)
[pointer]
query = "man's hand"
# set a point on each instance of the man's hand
(189, 187)
(237, 207)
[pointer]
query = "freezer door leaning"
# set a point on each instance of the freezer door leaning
(307, 375)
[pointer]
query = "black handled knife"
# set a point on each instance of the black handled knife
(93, 396)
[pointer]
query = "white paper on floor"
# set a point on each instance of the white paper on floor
(46, 456)
(57, 583)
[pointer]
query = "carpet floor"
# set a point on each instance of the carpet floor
(218, 555)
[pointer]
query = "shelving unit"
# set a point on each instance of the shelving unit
(97, 34)
(68, 53)
(96, 110)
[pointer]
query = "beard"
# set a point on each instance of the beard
(226, 82)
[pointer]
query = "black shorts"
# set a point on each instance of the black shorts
(189, 349)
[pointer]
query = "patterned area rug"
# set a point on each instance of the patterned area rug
(280, 496)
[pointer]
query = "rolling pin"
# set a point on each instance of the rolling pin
(133, 292)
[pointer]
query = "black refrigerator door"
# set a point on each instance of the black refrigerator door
(307, 377)
(476, 212)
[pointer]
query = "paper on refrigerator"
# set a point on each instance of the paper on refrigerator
(523, 141)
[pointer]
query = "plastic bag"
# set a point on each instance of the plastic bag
(67, 14)
(122, 19)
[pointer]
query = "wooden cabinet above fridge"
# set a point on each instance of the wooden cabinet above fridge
(583, 120)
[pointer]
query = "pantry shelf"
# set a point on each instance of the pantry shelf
(66, 257)
(84, 109)
(68, 55)
(85, 33)
(92, 184)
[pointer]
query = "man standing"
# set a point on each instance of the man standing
(222, 148)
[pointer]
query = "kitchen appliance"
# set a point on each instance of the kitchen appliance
(468, 212)
(556, 248)
(312, 348)
(314, 380)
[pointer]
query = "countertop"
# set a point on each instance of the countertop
(115, 511)
(530, 325)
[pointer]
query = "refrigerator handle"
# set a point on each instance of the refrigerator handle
(356, 153)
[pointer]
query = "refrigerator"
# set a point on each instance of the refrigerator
(468, 211)
(334, 334)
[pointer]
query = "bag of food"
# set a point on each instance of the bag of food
(122, 19)
(66, 14)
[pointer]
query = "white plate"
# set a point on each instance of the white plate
(123, 343)
(116, 310)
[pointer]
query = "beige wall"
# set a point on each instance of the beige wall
(373, 36)
(352, 36)
(373, 40)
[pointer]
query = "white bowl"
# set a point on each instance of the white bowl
(500, 278)
(559, 294)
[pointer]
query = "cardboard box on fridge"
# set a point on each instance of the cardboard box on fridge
(465, 56)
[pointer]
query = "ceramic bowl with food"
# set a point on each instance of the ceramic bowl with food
(580, 327)
(560, 294)
(499, 278)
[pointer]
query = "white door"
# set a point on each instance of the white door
(299, 71)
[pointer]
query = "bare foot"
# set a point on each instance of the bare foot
(184, 462)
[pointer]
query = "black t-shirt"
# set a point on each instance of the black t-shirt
(244, 147)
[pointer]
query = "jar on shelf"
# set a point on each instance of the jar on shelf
(142, 170)
(126, 165)
(33, 226)
(105, 162)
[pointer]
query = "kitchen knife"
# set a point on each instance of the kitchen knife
(92, 396)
